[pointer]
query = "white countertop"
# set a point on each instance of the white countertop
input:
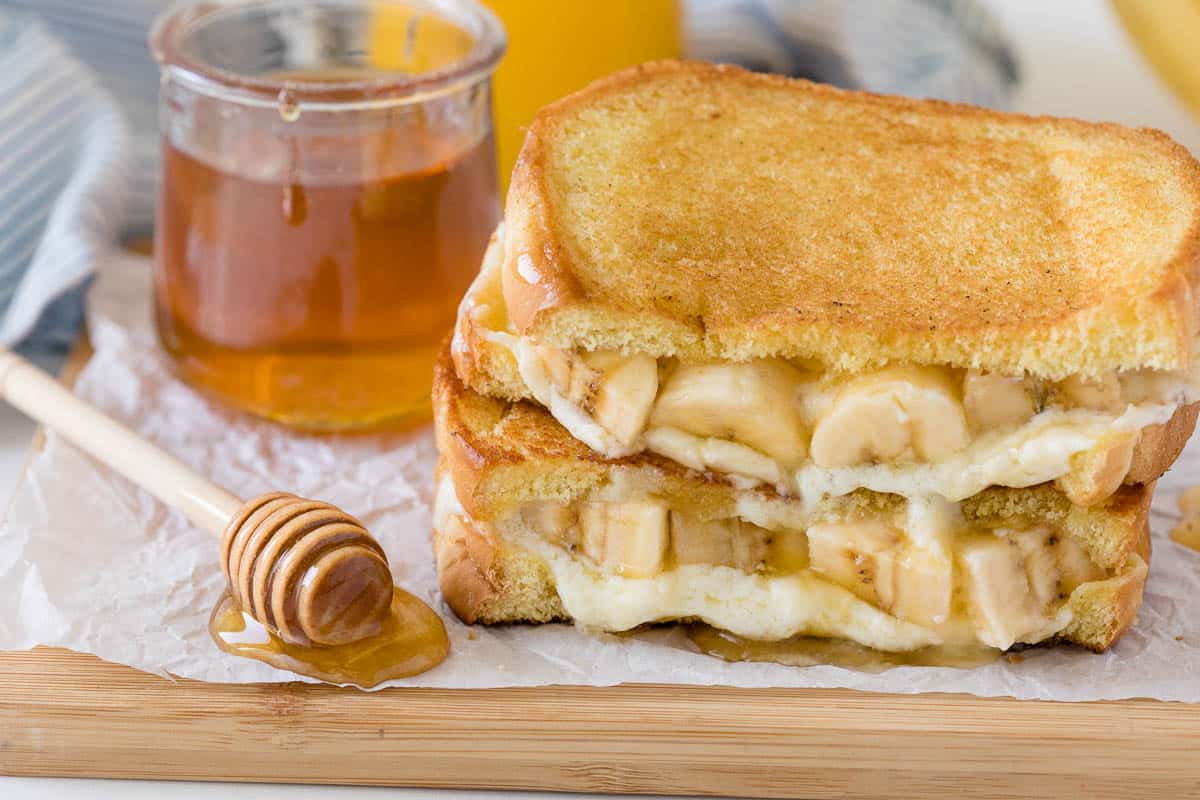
(1076, 61)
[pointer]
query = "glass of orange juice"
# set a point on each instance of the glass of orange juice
(556, 47)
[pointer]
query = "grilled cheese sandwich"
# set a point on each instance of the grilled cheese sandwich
(797, 361)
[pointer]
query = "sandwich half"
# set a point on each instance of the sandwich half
(821, 291)
(531, 525)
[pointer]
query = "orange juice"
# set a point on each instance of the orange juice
(558, 46)
(554, 48)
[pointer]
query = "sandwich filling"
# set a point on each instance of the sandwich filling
(904, 429)
(918, 576)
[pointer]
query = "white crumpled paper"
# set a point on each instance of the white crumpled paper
(90, 563)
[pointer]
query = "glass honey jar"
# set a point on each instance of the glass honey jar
(324, 205)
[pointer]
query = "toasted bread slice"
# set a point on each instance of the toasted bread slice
(699, 211)
(501, 456)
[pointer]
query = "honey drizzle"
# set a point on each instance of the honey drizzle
(808, 651)
(413, 640)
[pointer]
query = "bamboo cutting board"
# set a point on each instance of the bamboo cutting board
(69, 714)
(65, 713)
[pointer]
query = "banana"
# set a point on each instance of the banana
(924, 587)
(728, 542)
(697, 541)
(1004, 607)
(555, 522)
(896, 413)
(1075, 566)
(720, 455)
(874, 560)
(570, 374)
(1041, 564)
(1098, 394)
(754, 404)
(737, 459)
(630, 538)
(1096, 473)
(625, 396)
(997, 401)
(860, 556)
(788, 551)
(617, 391)
(751, 545)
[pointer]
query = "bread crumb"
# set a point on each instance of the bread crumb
(1015, 658)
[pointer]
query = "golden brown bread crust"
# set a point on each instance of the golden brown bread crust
(1101, 612)
(483, 582)
(1159, 445)
(483, 365)
(705, 211)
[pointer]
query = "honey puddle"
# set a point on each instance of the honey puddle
(412, 641)
(808, 651)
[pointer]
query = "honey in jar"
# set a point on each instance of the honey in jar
(319, 217)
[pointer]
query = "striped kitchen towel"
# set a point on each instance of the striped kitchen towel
(63, 145)
(947, 49)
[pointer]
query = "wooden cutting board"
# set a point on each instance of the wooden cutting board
(65, 713)
(69, 714)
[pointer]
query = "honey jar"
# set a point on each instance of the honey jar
(323, 205)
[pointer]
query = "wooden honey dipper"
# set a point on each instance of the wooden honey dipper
(307, 571)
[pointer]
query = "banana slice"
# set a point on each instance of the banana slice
(570, 374)
(1041, 564)
(1098, 394)
(788, 551)
(697, 541)
(629, 538)
(617, 391)
(1075, 566)
(894, 414)
(1097, 473)
(998, 401)
(555, 522)
(720, 542)
(626, 393)
(924, 587)
(719, 455)
(737, 459)
(874, 560)
(1004, 607)
(753, 403)
(860, 556)
(750, 546)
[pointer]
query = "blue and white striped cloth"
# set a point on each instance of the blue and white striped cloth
(63, 149)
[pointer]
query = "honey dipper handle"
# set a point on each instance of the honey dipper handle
(46, 400)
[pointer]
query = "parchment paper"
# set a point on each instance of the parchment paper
(90, 563)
